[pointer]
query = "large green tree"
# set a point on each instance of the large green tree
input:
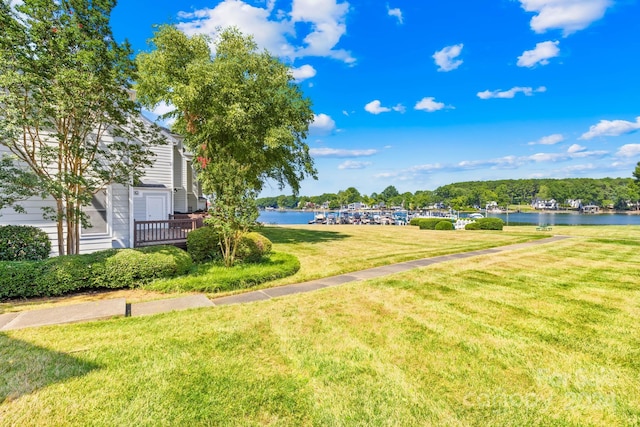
(67, 113)
(240, 111)
(636, 173)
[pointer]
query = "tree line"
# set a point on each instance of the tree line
(616, 193)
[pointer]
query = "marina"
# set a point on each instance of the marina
(284, 217)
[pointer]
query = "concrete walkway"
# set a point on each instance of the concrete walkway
(118, 307)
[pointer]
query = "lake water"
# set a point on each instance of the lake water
(300, 217)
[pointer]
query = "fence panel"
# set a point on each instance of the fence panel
(149, 233)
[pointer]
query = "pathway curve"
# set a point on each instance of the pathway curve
(104, 309)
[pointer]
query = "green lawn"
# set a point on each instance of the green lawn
(546, 335)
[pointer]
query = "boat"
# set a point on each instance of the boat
(476, 215)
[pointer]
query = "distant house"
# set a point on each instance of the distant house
(492, 206)
(168, 186)
(439, 205)
(591, 209)
(545, 204)
(574, 203)
(357, 206)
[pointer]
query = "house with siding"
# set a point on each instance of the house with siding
(169, 186)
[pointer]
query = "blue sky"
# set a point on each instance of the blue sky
(421, 93)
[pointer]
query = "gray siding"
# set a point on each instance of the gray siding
(120, 217)
(160, 172)
(140, 201)
(116, 237)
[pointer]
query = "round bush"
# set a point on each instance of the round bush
(472, 226)
(430, 223)
(444, 225)
(132, 267)
(203, 244)
(490, 223)
(252, 247)
(23, 243)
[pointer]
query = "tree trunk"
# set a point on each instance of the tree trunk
(59, 226)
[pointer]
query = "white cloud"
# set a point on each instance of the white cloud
(322, 124)
(328, 23)
(341, 153)
(430, 105)
(304, 72)
(395, 12)
(549, 140)
(270, 34)
(387, 175)
(580, 168)
(375, 107)
(629, 150)
(430, 167)
(576, 148)
(611, 128)
(569, 155)
(445, 58)
(539, 55)
(277, 32)
(528, 91)
(399, 108)
(567, 15)
(506, 162)
(163, 108)
(350, 164)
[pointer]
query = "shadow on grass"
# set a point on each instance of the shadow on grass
(25, 368)
(293, 235)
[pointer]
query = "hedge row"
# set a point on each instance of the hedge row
(485, 224)
(23, 243)
(428, 223)
(113, 268)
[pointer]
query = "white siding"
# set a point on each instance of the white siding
(160, 172)
(179, 179)
(140, 201)
(120, 217)
(169, 169)
(118, 235)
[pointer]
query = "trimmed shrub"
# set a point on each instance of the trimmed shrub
(203, 244)
(490, 223)
(430, 223)
(105, 269)
(23, 243)
(21, 279)
(213, 277)
(444, 225)
(415, 221)
(132, 267)
(252, 247)
(472, 226)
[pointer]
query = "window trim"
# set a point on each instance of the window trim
(109, 209)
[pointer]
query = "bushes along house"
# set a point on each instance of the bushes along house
(104, 269)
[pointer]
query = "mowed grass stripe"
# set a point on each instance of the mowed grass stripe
(546, 335)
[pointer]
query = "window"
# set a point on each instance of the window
(97, 214)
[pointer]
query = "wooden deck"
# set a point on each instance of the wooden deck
(166, 232)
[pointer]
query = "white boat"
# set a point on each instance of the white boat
(476, 215)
